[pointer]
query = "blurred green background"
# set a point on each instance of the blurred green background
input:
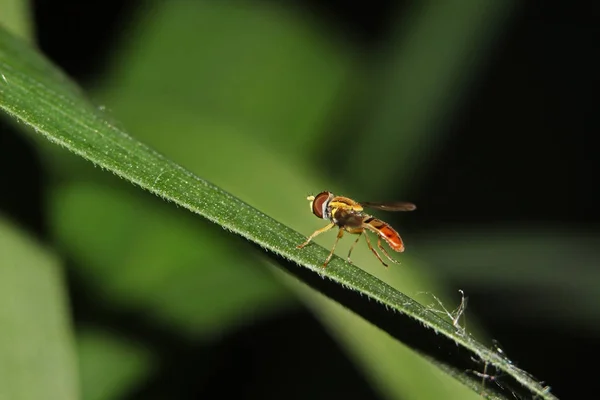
(476, 111)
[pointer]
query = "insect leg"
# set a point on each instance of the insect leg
(352, 247)
(339, 236)
(374, 251)
(316, 233)
(385, 252)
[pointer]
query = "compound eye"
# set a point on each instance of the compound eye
(319, 203)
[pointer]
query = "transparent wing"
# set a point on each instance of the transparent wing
(390, 206)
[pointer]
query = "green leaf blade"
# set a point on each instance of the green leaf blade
(60, 114)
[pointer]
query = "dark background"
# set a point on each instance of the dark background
(541, 92)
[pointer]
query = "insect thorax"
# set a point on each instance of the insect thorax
(347, 218)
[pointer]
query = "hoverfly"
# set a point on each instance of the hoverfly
(348, 216)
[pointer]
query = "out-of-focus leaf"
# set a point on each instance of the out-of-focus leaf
(110, 366)
(256, 67)
(145, 255)
(381, 355)
(15, 17)
(37, 355)
(434, 54)
(554, 267)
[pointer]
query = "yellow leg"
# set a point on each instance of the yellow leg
(316, 233)
(374, 251)
(385, 252)
(352, 247)
(339, 236)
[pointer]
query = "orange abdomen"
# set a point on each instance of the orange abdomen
(387, 233)
(392, 238)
